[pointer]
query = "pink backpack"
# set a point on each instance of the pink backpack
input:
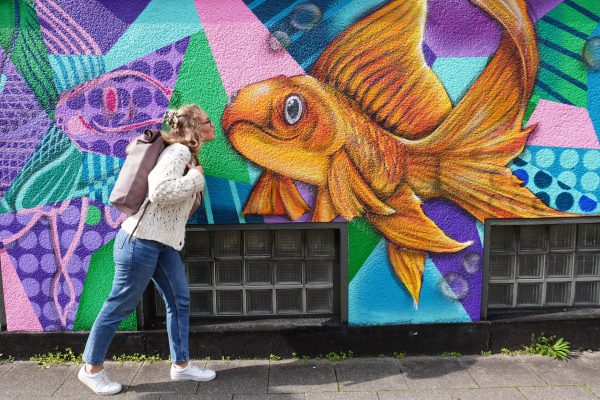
(131, 187)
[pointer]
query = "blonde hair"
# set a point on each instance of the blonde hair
(184, 123)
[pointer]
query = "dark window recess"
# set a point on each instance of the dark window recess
(260, 272)
(542, 266)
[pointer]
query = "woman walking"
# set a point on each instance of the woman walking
(148, 249)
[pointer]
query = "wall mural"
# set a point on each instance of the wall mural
(413, 121)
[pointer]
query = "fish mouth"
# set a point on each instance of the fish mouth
(229, 128)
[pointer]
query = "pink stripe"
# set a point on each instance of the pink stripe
(50, 38)
(65, 40)
(96, 49)
(239, 45)
(19, 312)
(74, 38)
(108, 216)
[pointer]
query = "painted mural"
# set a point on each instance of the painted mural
(413, 121)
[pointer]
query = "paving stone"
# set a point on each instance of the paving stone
(557, 393)
(591, 358)
(173, 396)
(237, 377)
(155, 378)
(342, 396)
(415, 395)
(281, 396)
(122, 373)
(487, 394)
(435, 373)
(300, 376)
(369, 374)
(28, 378)
(5, 367)
(500, 371)
(570, 372)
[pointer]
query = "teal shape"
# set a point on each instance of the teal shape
(458, 74)
(377, 297)
(52, 174)
(72, 70)
(593, 93)
(99, 174)
(161, 23)
(3, 79)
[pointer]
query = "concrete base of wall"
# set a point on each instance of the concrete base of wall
(251, 339)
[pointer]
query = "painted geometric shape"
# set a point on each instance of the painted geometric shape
(241, 52)
(51, 174)
(363, 238)
(99, 174)
(23, 123)
(125, 11)
(538, 8)
(377, 297)
(458, 74)
(28, 53)
(593, 93)
(217, 156)
(73, 70)
(50, 247)
(104, 114)
(17, 307)
(159, 24)
(562, 125)
(561, 34)
(565, 179)
(97, 287)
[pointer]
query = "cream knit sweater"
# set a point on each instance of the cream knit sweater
(170, 198)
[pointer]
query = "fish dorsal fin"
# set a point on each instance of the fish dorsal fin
(380, 64)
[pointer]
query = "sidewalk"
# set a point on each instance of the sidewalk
(496, 377)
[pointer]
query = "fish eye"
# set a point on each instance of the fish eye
(294, 106)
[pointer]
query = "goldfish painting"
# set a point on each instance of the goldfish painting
(373, 128)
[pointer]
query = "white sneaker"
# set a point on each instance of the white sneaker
(192, 373)
(99, 382)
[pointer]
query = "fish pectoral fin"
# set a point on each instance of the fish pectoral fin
(350, 194)
(275, 194)
(408, 264)
(410, 227)
(323, 211)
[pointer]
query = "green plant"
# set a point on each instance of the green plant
(225, 358)
(136, 358)
(508, 352)
(486, 353)
(305, 357)
(549, 347)
(335, 357)
(274, 357)
(9, 359)
(57, 358)
(450, 354)
(294, 355)
(399, 355)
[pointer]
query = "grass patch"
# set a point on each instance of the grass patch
(57, 358)
(136, 358)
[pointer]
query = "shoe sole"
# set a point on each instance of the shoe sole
(190, 379)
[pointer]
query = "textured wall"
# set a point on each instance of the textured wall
(78, 80)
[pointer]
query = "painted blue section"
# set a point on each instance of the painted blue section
(480, 231)
(244, 192)
(72, 70)
(99, 174)
(458, 74)
(593, 94)
(223, 206)
(378, 297)
(175, 21)
(3, 79)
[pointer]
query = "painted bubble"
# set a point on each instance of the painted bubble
(471, 262)
(306, 16)
(591, 53)
(278, 41)
(454, 286)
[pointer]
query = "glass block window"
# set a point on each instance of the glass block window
(543, 266)
(261, 272)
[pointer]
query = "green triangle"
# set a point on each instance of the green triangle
(199, 82)
(97, 287)
(362, 239)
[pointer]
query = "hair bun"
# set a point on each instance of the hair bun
(171, 118)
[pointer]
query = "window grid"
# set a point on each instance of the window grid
(557, 250)
(278, 254)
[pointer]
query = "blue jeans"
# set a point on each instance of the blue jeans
(137, 261)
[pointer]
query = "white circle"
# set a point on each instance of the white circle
(568, 178)
(544, 158)
(525, 155)
(590, 181)
(591, 159)
(569, 158)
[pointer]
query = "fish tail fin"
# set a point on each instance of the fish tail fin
(408, 265)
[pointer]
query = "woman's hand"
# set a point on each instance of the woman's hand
(196, 167)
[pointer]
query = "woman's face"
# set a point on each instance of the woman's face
(206, 129)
